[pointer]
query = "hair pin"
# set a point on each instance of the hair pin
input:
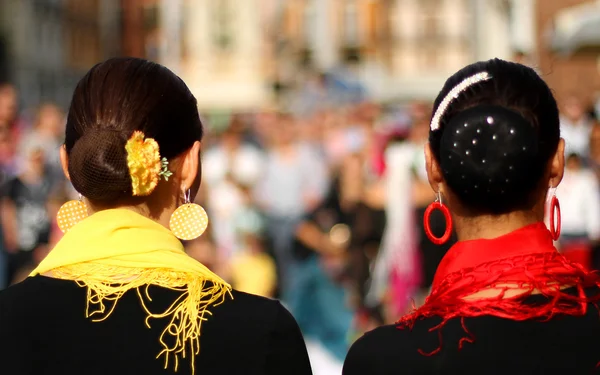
(165, 172)
(453, 94)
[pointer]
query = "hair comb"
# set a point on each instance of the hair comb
(453, 94)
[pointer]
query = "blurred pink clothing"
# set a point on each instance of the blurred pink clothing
(403, 287)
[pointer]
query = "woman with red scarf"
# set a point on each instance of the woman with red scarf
(503, 300)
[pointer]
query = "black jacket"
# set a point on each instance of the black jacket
(43, 330)
(562, 345)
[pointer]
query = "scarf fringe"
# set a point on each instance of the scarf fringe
(181, 337)
(514, 279)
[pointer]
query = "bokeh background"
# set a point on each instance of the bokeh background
(316, 114)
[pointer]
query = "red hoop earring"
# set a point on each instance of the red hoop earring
(437, 205)
(555, 210)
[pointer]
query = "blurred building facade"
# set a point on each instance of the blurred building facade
(224, 52)
(241, 54)
(217, 47)
(232, 54)
(398, 48)
(49, 44)
(568, 47)
(141, 28)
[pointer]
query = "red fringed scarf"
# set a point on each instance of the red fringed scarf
(523, 262)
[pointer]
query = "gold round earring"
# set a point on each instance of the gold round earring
(71, 213)
(188, 221)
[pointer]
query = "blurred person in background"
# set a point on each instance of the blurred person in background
(579, 194)
(336, 241)
(363, 198)
(9, 130)
(504, 300)
(314, 95)
(575, 127)
(319, 280)
(311, 134)
(47, 130)
(6, 160)
(595, 145)
(9, 105)
(25, 221)
(204, 250)
(335, 137)
(9, 136)
(7, 150)
(252, 270)
(594, 163)
(263, 123)
(396, 272)
(229, 164)
(294, 182)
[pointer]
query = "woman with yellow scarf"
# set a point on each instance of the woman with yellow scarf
(118, 295)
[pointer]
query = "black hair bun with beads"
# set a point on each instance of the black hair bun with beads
(488, 154)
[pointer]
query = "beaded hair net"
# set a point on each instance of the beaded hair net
(453, 94)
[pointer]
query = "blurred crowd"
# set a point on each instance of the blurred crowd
(321, 209)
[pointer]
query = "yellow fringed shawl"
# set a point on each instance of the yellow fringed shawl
(114, 251)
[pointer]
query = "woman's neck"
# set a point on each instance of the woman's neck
(493, 226)
(161, 216)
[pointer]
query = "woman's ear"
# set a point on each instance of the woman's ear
(64, 161)
(434, 174)
(557, 166)
(190, 169)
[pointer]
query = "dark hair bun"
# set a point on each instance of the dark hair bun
(98, 165)
(495, 136)
(488, 154)
(112, 101)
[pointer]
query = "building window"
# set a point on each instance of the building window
(83, 31)
(152, 45)
(430, 35)
(222, 24)
(184, 47)
(293, 21)
(351, 36)
(152, 34)
(372, 29)
(151, 16)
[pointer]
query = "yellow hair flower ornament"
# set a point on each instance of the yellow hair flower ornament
(144, 163)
